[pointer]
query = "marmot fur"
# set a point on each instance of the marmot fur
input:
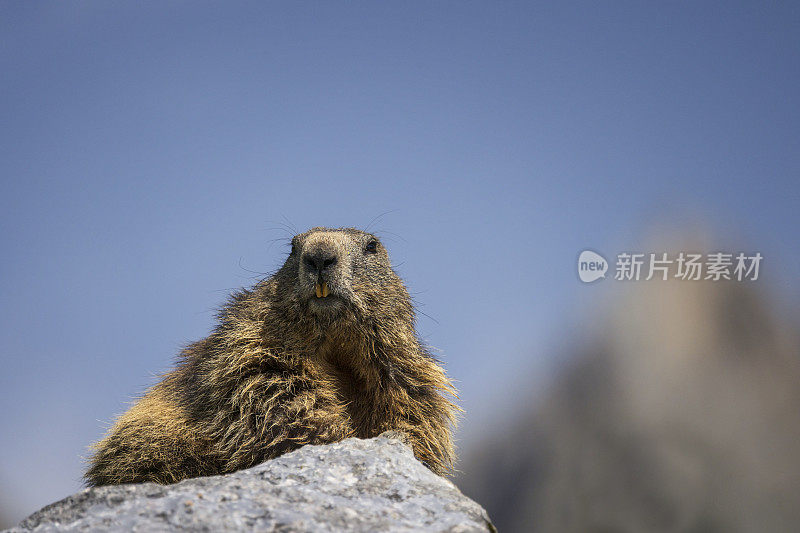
(323, 350)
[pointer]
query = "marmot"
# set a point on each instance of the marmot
(323, 350)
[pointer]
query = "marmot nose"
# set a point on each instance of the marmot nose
(318, 261)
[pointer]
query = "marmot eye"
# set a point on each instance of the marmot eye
(371, 247)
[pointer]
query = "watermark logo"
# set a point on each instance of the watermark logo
(591, 266)
(636, 266)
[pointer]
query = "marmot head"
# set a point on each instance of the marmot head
(341, 274)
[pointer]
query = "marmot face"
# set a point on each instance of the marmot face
(331, 271)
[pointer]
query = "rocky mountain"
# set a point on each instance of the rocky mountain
(678, 413)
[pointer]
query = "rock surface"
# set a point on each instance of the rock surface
(354, 485)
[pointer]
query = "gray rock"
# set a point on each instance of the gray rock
(354, 485)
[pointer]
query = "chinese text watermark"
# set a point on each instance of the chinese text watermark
(634, 266)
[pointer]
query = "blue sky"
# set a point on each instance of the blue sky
(150, 153)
